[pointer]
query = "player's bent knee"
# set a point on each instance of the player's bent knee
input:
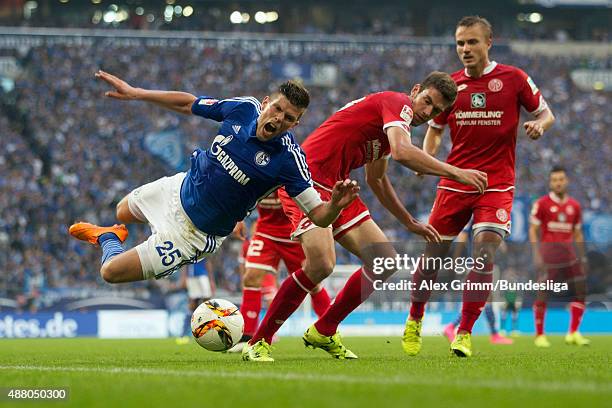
(253, 277)
(110, 273)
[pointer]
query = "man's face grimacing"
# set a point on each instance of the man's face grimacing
(426, 104)
(277, 116)
(473, 45)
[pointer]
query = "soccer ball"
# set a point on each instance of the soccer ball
(217, 325)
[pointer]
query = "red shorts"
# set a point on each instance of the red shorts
(565, 273)
(352, 216)
(452, 211)
(265, 252)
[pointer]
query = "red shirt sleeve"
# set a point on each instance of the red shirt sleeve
(529, 94)
(537, 213)
(396, 110)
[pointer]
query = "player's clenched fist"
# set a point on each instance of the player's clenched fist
(344, 193)
(533, 129)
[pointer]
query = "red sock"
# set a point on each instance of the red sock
(357, 289)
(320, 301)
(539, 311)
(289, 297)
(576, 311)
(475, 300)
(250, 308)
(419, 297)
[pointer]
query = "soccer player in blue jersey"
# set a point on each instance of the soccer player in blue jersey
(192, 213)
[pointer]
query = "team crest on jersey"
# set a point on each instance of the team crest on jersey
(461, 87)
(406, 114)
(495, 85)
(502, 215)
(208, 101)
(479, 100)
(569, 210)
(554, 209)
(262, 158)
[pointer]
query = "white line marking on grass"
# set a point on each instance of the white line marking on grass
(509, 384)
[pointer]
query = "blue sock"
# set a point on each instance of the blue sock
(490, 318)
(111, 246)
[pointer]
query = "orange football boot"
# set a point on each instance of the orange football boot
(90, 232)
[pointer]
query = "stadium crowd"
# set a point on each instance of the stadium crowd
(70, 154)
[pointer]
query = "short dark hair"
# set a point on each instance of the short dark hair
(442, 82)
(558, 169)
(295, 93)
(469, 21)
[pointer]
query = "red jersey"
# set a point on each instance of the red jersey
(272, 221)
(558, 219)
(483, 123)
(355, 135)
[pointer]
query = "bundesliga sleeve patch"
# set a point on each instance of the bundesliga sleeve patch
(532, 85)
(208, 102)
(407, 114)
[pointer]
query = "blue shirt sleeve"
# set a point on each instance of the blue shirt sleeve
(295, 175)
(242, 108)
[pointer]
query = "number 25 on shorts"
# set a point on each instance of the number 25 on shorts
(167, 254)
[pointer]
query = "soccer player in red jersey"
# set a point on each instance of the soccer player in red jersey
(270, 243)
(555, 225)
(483, 124)
(365, 132)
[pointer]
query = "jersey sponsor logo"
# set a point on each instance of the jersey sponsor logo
(262, 158)
(532, 85)
(236, 128)
(461, 87)
(208, 102)
(479, 114)
(479, 100)
(406, 114)
(226, 161)
(502, 215)
(556, 226)
(495, 85)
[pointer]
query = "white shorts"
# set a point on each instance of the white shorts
(198, 287)
(175, 241)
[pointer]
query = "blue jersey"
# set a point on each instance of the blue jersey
(225, 181)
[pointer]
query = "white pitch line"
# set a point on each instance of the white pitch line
(511, 384)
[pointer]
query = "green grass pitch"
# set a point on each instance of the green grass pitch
(148, 373)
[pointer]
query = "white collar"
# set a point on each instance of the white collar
(487, 69)
(556, 198)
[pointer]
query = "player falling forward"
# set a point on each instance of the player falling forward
(192, 213)
(270, 243)
(555, 226)
(483, 125)
(364, 132)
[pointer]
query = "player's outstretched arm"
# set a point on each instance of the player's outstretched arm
(433, 140)
(376, 177)
(343, 194)
(403, 151)
(543, 121)
(174, 100)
